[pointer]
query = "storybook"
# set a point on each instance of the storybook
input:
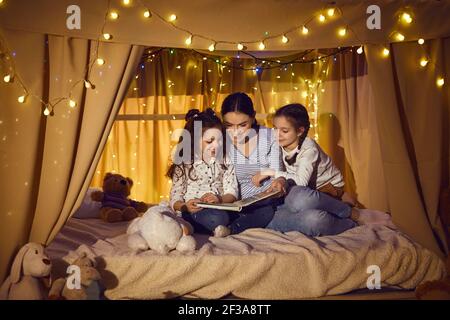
(240, 204)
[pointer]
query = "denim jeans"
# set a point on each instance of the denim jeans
(255, 216)
(313, 213)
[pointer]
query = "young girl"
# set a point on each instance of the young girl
(319, 182)
(207, 176)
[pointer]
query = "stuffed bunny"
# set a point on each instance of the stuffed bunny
(24, 282)
(160, 230)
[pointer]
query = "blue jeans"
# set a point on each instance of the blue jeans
(256, 216)
(313, 213)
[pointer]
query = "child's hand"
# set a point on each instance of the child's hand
(192, 205)
(210, 198)
(258, 178)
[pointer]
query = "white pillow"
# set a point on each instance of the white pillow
(89, 209)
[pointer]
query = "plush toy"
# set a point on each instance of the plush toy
(437, 289)
(28, 271)
(160, 230)
(115, 203)
(88, 283)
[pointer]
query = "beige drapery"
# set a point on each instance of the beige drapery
(49, 161)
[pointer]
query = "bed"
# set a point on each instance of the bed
(256, 264)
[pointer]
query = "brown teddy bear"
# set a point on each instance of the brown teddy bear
(115, 203)
(435, 290)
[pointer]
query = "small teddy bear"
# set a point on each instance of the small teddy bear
(161, 230)
(88, 287)
(114, 198)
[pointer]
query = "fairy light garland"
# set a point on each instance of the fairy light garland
(329, 11)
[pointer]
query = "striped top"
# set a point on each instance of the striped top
(267, 154)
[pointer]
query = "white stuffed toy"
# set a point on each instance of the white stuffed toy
(30, 266)
(161, 230)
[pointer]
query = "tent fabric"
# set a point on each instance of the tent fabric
(49, 161)
(231, 21)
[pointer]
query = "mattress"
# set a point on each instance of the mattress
(256, 264)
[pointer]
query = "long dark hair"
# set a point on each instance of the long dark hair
(240, 102)
(298, 116)
(209, 120)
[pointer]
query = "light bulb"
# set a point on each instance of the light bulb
(421, 41)
(46, 111)
(262, 46)
(21, 99)
(72, 103)
(440, 82)
(1, 2)
(399, 36)
(147, 14)
(212, 47)
(188, 40)
(240, 46)
(423, 62)
(284, 39)
(406, 17)
(113, 15)
(360, 50)
(385, 52)
(126, 2)
(330, 12)
(100, 61)
(7, 78)
(305, 30)
(322, 18)
(88, 85)
(342, 32)
(107, 36)
(172, 17)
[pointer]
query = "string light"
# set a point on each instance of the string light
(399, 36)
(406, 17)
(322, 18)
(385, 52)
(100, 61)
(107, 36)
(305, 30)
(360, 50)
(240, 46)
(46, 111)
(342, 32)
(188, 40)
(126, 2)
(421, 41)
(72, 103)
(147, 14)
(284, 39)
(172, 18)
(261, 46)
(7, 78)
(440, 81)
(423, 62)
(22, 98)
(88, 84)
(212, 47)
(114, 15)
(330, 12)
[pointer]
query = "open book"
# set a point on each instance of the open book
(240, 204)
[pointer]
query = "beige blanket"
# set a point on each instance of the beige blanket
(259, 264)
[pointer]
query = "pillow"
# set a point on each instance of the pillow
(89, 209)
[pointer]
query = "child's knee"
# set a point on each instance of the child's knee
(301, 198)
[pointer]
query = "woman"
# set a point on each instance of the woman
(251, 147)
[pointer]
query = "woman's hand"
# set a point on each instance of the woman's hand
(279, 184)
(210, 198)
(258, 178)
(191, 205)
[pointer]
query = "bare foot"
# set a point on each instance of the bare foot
(221, 231)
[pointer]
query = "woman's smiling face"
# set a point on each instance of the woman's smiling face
(237, 124)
